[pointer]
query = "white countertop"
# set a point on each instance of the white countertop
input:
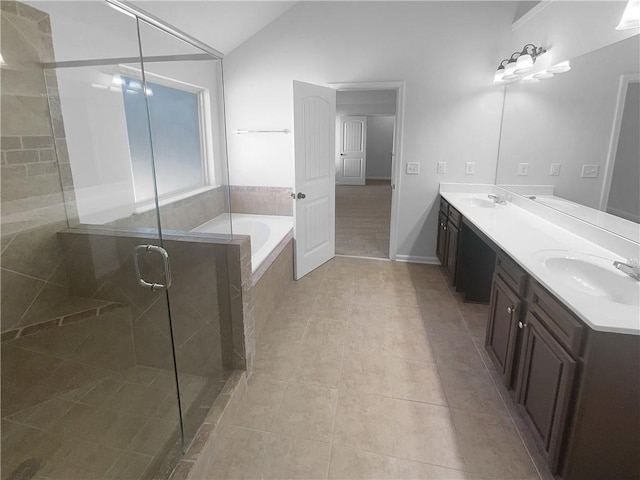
(524, 235)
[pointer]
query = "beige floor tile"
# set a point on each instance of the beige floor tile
(365, 421)
(460, 353)
(323, 330)
(410, 470)
(44, 415)
(427, 434)
(238, 455)
(411, 345)
(319, 365)
(366, 372)
(416, 381)
(370, 340)
(473, 391)
(307, 411)
(277, 362)
(349, 463)
(258, 408)
(294, 458)
(492, 447)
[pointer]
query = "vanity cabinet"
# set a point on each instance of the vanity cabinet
(502, 328)
(577, 389)
(449, 220)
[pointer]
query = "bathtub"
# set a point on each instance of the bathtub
(266, 231)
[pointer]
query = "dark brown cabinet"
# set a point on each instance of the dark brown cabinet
(453, 234)
(449, 220)
(502, 328)
(441, 249)
(545, 384)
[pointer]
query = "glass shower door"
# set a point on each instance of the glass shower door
(183, 87)
(88, 367)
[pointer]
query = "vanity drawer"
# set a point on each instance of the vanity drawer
(561, 323)
(511, 273)
(454, 216)
(444, 206)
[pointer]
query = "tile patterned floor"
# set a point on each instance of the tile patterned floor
(363, 216)
(114, 428)
(372, 369)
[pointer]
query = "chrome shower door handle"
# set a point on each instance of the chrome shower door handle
(165, 262)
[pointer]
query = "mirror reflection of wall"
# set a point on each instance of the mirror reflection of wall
(623, 198)
(568, 120)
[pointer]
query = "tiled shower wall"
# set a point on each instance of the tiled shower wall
(205, 294)
(33, 207)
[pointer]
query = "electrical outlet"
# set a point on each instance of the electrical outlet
(442, 167)
(413, 168)
(470, 168)
(554, 170)
(523, 169)
(590, 171)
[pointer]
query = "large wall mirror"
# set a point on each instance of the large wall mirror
(571, 142)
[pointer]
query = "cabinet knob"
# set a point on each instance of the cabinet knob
(521, 325)
(511, 309)
(444, 228)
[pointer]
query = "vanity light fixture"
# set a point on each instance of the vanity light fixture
(530, 79)
(561, 67)
(519, 63)
(543, 75)
(631, 16)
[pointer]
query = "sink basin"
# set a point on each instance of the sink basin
(593, 276)
(479, 202)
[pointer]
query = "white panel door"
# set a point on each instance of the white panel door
(314, 113)
(352, 164)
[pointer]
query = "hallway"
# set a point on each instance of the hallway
(363, 215)
(372, 369)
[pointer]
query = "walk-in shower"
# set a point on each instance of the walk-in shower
(113, 149)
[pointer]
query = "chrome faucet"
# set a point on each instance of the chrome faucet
(631, 268)
(499, 199)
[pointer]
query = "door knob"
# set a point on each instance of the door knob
(301, 195)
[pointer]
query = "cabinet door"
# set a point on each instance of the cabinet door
(441, 249)
(545, 384)
(502, 328)
(452, 251)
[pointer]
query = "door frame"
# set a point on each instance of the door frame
(396, 159)
(625, 80)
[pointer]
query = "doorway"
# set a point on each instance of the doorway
(366, 141)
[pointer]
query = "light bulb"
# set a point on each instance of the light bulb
(510, 68)
(631, 16)
(560, 67)
(542, 75)
(524, 64)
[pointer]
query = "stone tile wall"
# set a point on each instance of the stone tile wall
(270, 288)
(183, 215)
(206, 340)
(33, 207)
(261, 200)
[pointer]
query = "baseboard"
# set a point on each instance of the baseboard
(378, 178)
(417, 259)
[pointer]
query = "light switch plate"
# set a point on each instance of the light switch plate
(470, 168)
(523, 169)
(413, 168)
(554, 170)
(590, 171)
(442, 167)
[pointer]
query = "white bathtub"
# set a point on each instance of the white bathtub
(266, 231)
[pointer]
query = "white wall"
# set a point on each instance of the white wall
(366, 102)
(445, 52)
(568, 29)
(379, 146)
